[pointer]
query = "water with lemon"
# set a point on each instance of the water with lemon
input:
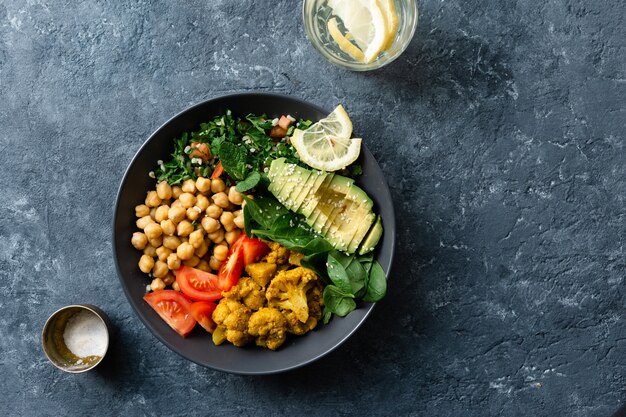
(360, 34)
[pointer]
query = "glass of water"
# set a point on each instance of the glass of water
(329, 34)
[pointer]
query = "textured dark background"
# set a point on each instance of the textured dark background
(501, 131)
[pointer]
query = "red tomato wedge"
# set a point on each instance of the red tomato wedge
(202, 311)
(218, 171)
(253, 250)
(197, 284)
(231, 268)
(200, 150)
(173, 307)
(284, 122)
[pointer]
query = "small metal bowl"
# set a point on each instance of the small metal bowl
(54, 345)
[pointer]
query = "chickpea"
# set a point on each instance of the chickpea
(184, 228)
(168, 227)
(232, 236)
(161, 213)
(193, 213)
(144, 221)
(196, 238)
(164, 191)
(173, 261)
(163, 253)
(220, 252)
(175, 286)
(142, 210)
(153, 230)
(146, 263)
(153, 212)
(189, 186)
(227, 221)
(202, 249)
(139, 240)
(160, 269)
(203, 184)
(203, 266)
(214, 211)
(176, 203)
(150, 251)
(217, 185)
(168, 279)
(176, 191)
(234, 196)
(202, 202)
(239, 221)
(187, 200)
(157, 284)
(184, 251)
(209, 224)
(156, 242)
(221, 199)
(214, 263)
(217, 237)
(152, 199)
(171, 242)
(176, 214)
(192, 262)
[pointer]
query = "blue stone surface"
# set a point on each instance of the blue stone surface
(501, 131)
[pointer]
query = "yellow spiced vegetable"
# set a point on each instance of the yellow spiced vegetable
(232, 319)
(269, 327)
(288, 291)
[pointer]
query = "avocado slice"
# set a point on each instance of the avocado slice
(311, 200)
(294, 183)
(310, 188)
(356, 220)
(276, 168)
(372, 238)
(361, 231)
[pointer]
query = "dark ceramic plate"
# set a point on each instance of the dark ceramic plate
(198, 347)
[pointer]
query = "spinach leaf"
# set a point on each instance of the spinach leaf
(337, 302)
(338, 275)
(265, 210)
(249, 183)
(317, 263)
(377, 284)
(289, 238)
(247, 221)
(233, 158)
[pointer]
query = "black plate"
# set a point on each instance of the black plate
(198, 347)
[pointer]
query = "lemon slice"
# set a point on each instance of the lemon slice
(391, 16)
(326, 145)
(343, 42)
(366, 23)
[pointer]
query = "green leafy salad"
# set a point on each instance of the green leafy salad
(291, 201)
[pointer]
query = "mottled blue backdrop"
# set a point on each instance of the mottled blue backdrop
(501, 131)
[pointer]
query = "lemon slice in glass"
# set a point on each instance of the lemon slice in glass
(391, 16)
(365, 23)
(326, 145)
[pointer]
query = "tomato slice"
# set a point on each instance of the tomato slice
(173, 307)
(231, 268)
(200, 150)
(198, 285)
(202, 311)
(218, 171)
(253, 250)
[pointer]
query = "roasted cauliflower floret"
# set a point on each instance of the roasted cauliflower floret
(288, 291)
(269, 326)
(261, 272)
(315, 302)
(278, 254)
(295, 258)
(232, 319)
(248, 292)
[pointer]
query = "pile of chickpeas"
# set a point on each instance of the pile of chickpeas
(192, 224)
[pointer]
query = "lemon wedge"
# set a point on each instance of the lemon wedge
(391, 16)
(365, 22)
(343, 42)
(326, 145)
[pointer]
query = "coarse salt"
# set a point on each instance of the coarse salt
(86, 335)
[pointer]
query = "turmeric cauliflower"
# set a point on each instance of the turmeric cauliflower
(278, 254)
(269, 326)
(288, 291)
(248, 292)
(315, 302)
(232, 319)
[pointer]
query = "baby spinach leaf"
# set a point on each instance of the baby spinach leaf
(317, 263)
(249, 183)
(338, 274)
(338, 302)
(377, 284)
(233, 158)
